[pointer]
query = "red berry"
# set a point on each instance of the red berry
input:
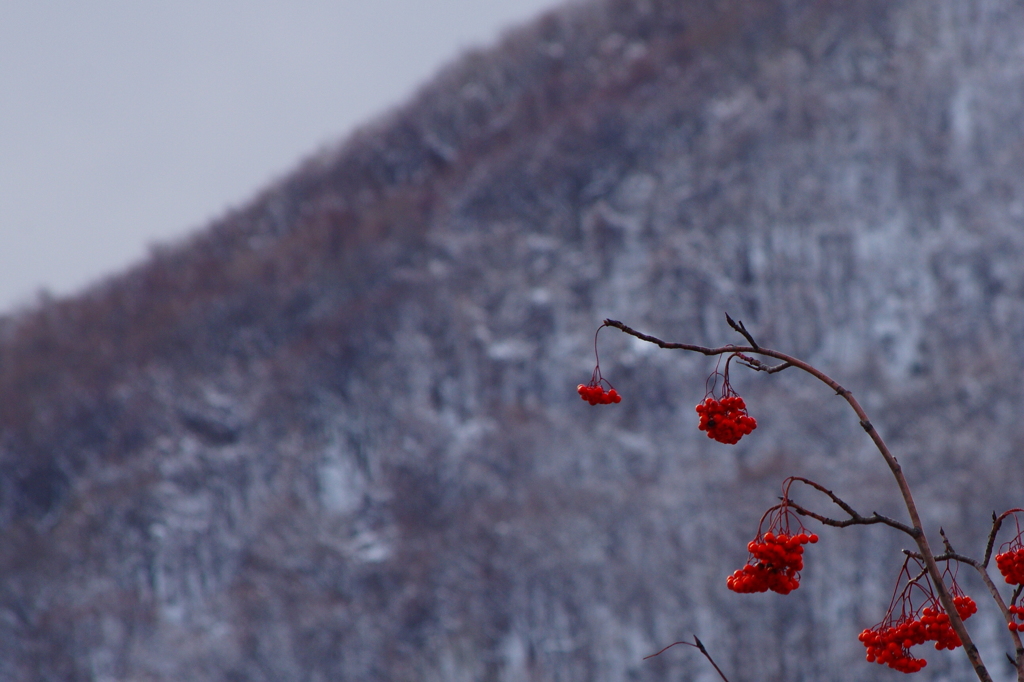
(724, 420)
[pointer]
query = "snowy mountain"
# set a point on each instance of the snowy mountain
(335, 436)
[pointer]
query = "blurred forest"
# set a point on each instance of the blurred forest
(335, 436)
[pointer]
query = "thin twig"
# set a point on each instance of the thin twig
(696, 644)
(738, 326)
(945, 540)
(945, 556)
(700, 645)
(855, 518)
(997, 522)
(755, 364)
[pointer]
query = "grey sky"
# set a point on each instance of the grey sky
(126, 123)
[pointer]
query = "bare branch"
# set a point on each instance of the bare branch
(997, 522)
(915, 530)
(675, 346)
(855, 519)
(700, 645)
(696, 644)
(832, 496)
(1007, 616)
(945, 556)
(738, 326)
(757, 365)
(945, 540)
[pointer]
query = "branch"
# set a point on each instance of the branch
(757, 365)
(855, 518)
(997, 522)
(696, 644)
(916, 529)
(945, 556)
(676, 346)
(1015, 636)
(980, 566)
(738, 326)
(700, 645)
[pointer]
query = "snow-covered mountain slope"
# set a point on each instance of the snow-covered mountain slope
(336, 435)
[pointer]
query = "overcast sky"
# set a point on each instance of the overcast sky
(127, 123)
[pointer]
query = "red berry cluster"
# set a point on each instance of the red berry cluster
(1011, 565)
(596, 395)
(889, 642)
(1010, 559)
(965, 606)
(725, 420)
(775, 563)
(595, 392)
(775, 557)
(1018, 612)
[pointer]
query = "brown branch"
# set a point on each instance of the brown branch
(1007, 616)
(855, 518)
(951, 553)
(945, 540)
(700, 645)
(997, 522)
(676, 346)
(752, 363)
(738, 326)
(755, 364)
(916, 527)
(923, 573)
(945, 556)
(696, 644)
(980, 566)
